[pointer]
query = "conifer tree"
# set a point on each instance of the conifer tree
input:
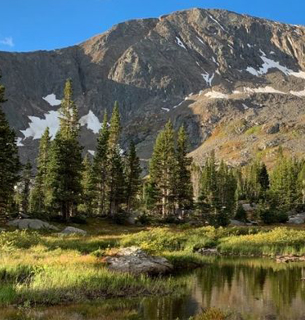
(162, 170)
(26, 187)
(39, 192)
(184, 188)
(9, 160)
(87, 187)
(133, 177)
(65, 165)
(100, 170)
(218, 188)
(284, 182)
(116, 179)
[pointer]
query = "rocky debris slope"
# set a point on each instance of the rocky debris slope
(136, 261)
(235, 81)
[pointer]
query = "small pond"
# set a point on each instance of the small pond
(245, 288)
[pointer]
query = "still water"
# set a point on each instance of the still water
(244, 288)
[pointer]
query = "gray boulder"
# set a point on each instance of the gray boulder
(136, 261)
(208, 252)
(296, 220)
(72, 230)
(236, 223)
(33, 224)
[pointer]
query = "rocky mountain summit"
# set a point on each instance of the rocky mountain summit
(236, 82)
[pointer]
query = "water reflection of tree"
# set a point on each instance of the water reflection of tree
(275, 285)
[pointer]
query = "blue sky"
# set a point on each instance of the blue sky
(27, 25)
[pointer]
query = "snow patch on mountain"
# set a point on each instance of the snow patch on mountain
(51, 100)
(207, 78)
(221, 27)
(180, 43)
(271, 64)
(37, 126)
(165, 109)
(217, 95)
(298, 93)
(19, 142)
(91, 121)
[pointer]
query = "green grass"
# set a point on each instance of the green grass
(47, 269)
(277, 241)
(253, 130)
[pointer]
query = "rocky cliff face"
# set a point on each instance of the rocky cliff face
(236, 82)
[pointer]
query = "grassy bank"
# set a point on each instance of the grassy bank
(47, 269)
(40, 275)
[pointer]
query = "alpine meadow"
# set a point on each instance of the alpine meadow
(155, 171)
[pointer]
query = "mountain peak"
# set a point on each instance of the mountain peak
(236, 82)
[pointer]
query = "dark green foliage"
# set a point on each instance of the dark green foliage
(240, 213)
(116, 179)
(26, 185)
(100, 170)
(184, 187)
(284, 182)
(86, 205)
(133, 177)
(9, 160)
(65, 161)
(268, 213)
(217, 196)
(39, 191)
(162, 170)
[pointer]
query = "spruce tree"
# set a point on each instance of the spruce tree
(184, 188)
(218, 190)
(65, 165)
(116, 179)
(87, 187)
(133, 177)
(39, 192)
(9, 160)
(100, 170)
(162, 170)
(26, 187)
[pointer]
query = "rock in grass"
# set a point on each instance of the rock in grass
(33, 224)
(72, 230)
(134, 260)
(208, 251)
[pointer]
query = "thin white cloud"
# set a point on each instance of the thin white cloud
(8, 41)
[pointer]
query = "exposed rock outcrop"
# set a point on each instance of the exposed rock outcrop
(34, 224)
(235, 82)
(134, 260)
(72, 230)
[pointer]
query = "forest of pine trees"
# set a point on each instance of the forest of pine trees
(69, 183)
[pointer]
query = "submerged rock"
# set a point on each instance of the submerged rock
(72, 230)
(34, 224)
(134, 260)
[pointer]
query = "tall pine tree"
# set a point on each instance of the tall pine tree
(39, 192)
(116, 178)
(184, 188)
(87, 187)
(65, 165)
(9, 160)
(133, 177)
(162, 170)
(26, 187)
(100, 170)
